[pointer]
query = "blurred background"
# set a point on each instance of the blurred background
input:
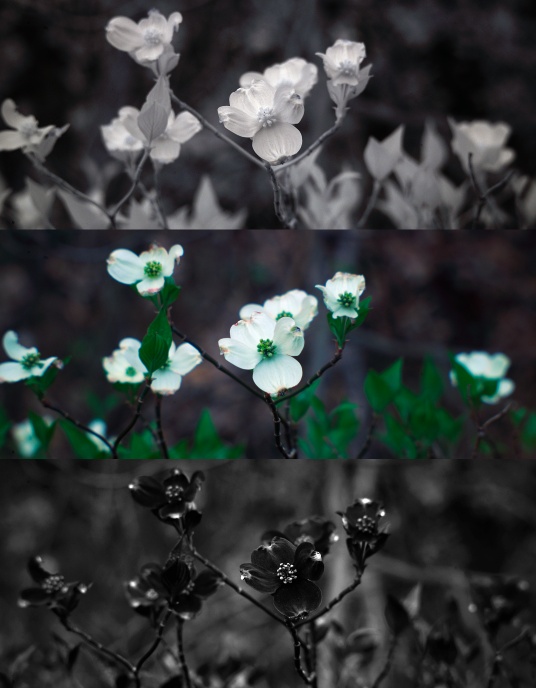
(467, 59)
(431, 292)
(447, 520)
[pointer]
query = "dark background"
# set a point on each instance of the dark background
(431, 292)
(446, 519)
(469, 59)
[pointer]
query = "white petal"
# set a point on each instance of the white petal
(276, 142)
(150, 285)
(288, 337)
(252, 330)
(238, 122)
(498, 365)
(125, 267)
(124, 34)
(185, 359)
(184, 127)
(165, 381)
(277, 374)
(164, 150)
(43, 366)
(248, 78)
(12, 347)
(307, 312)
(239, 354)
(344, 311)
(288, 105)
(250, 100)
(12, 116)
(13, 372)
(248, 310)
(11, 140)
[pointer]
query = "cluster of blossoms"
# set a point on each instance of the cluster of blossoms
(486, 375)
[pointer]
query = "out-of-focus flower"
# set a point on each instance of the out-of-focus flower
(296, 74)
(117, 138)
(486, 368)
(26, 134)
(285, 571)
(382, 157)
(498, 599)
(266, 115)
(317, 530)
(206, 212)
(123, 368)
(341, 294)
(295, 304)
(485, 141)
(146, 40)
(25, 363)
(172, 499)
(329, 205)
(148, 270)
(53, 591)
(26, 441)
(266, 346)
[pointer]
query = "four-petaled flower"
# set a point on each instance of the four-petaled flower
(148, 39)
(317, 530)
(295, 304)
(124, 364)
(26, 363)
(266, 115)
(285, 571)
(172, 499)
(346, 80)
(148, 270)
(266, 346)
(295, 73)
(485, 141)
(366, 532)
(486, 368)
(53, 591)
(26, 134)
(341, 294)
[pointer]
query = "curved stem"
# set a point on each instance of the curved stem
(97, 646)
(319, 141)
(182, 658)
(135, 180)
(353, 585)
(160, 433)
(337, 357)
(155, 644)
(388, 662)
(134, 420)
(482, 429)
(287, 453)
(307, 678)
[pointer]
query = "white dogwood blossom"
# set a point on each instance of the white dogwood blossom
(346, 79)
(25, 363)
(341, 294)
(146, 40)
(295, 304)
(26, 134)
(485, 141)
(487, 367)
(296, 74)
(265, 114)
(148, 270)
(124, 365)
(267, 347)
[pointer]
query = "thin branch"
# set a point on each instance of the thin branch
(388, 663)
(307, 678)
(481, 429)
(337, 357)
(207, 125)
(134, 420)
(353, 585)
(368, 440)
(182, 658)
(483, 196)
(234, 586)
(155, 644)
(319, 141)
(135, 180)
(370, 204)
(498, 659)
(156, 201)
(286, 453)
(160, 433)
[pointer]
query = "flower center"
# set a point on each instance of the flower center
(130, 371)
(28, 129)
(153, 268)
(366, 525)
(284, 314)
(53, 583)
(173, 492)
(152, 36)
(286, 573)
(189, 588)
(151, 594)
(266, 116)
(266, 348)
(347, 68)
(347, 300)
(31, 361)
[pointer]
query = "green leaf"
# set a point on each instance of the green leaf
(404, 402)
(82, 446)
(392, 376)
(431, 381)
(339, 328)
(40, 384)
(301, 403)
(169, 293)
(397, 438)
(154, 350)
(42, 431)
(207, 443)
(142, 446)
(377, 391)
(528, 433)
(364, 309)
(344, 427)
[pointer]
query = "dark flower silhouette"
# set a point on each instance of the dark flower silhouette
(362, 522)
(315, 529)
(172, 499)
(286, 572)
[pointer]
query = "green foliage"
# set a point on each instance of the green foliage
(301, 403)
(40, 384)
(472, 388)
(141, 445)
(525, 421)
(154, 350)
(81, 444)
(329, 435)
(381, 389)
(341, 327)
(169, 293)
(5, 426)
(43, 432)
(206, 444)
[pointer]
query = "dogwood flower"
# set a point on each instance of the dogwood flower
(486, 143)
(484, 366)
(25, 363)
(266, 115)
(295, 73)
(295, 304)
(148, 39)
(346, 80)
(123, 366)
(26, 441)
(26, 134)
(266, 346)
(147, 271)
(117, 138)
(341, 294)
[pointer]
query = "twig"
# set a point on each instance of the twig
(160, 433)
(337, 357)
(81, 426)
(279, 203)
(319, 141)
(498, 659)
(234, 586)
(287, 453)
(353, 585)
(307, 678)
(156, 201)
(135, 180)
(370, 204)
(368, 441)
(483, 195)
(481, 429)
(133, 422)
(182, 659)
(388, 662)
(155, 644)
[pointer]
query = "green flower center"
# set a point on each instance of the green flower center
(347, 300)
(286, 573)
(153, 268)
(266, 348)
(31, 361)
(284, 314)
(131, 371)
